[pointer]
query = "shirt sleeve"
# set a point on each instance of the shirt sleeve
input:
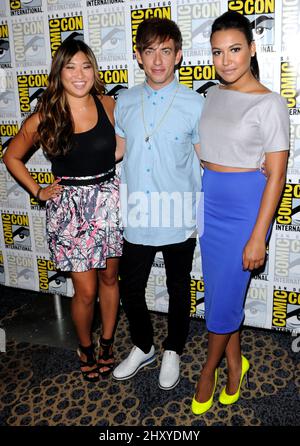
(275, 125)
(118, 118)
(195, 131)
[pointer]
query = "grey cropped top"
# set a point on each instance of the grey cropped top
(237, 129)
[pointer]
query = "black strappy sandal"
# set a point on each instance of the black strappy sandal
(91, 375)
(106, 354)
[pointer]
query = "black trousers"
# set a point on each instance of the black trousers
(135, 267)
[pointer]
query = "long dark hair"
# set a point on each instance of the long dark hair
(235, 20)
(55, 130)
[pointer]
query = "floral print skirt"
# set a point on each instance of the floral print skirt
(83, 226)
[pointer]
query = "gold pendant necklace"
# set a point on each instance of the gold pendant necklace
(149, 135)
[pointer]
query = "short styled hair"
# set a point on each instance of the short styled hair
(154, 29)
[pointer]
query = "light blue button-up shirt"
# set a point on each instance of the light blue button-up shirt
(161, 177)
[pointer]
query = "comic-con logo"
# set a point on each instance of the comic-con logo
(2, 272)
(288, 213)
(7, 132)
(7, 96)
(16, 231)
(159, 261)
(287, 258)
(20, 270)
(62, 28)
(114, 80)
(39, 232)
(266, 69)
(261, 14)
(256, 304)
(294, 157)
(290, 24)
(286, 309)
(49, 279)
(197, 297)
(30, 87)
(5, 55)
(56, 5)
(197, 77)
(157, 294)
(194, 20)
(39, 158)
(29, 42)
(3, 194)
(3, 11)
(43, 179)
(107, 35)
(20, 7)
(139, 15)
(262, 272)
(289, 73)
(12, 194)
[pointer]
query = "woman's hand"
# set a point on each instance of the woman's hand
(254, 254)
(51, 191)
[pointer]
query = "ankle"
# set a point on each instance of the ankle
(86, 349)
(207, 373)
(106, 342)
(234, 368)
(206, 385)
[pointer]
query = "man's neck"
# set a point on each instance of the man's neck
(159, 86)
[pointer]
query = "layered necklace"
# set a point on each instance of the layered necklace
(147, 134)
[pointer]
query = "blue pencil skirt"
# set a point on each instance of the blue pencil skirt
(231, 205)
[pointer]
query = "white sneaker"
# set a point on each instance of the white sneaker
(133, 363)
(169, 371)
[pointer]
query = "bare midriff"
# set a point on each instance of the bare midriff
(219, 168)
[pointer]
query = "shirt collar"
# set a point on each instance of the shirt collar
(164, 90)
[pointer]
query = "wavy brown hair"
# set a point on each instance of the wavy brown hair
(56, 126)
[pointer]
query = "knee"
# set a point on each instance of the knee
(179, 285)
(109, 278)
(85, 297)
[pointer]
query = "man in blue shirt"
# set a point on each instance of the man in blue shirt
(157, 133)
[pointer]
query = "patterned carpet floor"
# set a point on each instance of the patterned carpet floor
(41, 385)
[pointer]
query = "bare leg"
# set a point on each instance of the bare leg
(216, 346)
(234, 363)
(109, 297)
(109, 304)
(82, 308)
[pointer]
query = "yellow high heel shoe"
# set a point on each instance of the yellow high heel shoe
(226, 399)
(200, 408)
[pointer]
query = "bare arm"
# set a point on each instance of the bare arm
(121, 147)
(13, 159)
(109, 105)
(254, 251)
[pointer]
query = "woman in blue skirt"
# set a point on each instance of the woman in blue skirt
(243, 124)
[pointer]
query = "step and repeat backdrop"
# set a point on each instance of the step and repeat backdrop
(30, 33)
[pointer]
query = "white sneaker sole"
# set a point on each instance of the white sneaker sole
(171, 387)
(143, 364)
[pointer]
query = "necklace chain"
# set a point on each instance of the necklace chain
(149, 135)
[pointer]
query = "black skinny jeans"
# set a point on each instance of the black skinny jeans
(135, 267)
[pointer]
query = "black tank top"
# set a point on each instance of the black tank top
(93, 151)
